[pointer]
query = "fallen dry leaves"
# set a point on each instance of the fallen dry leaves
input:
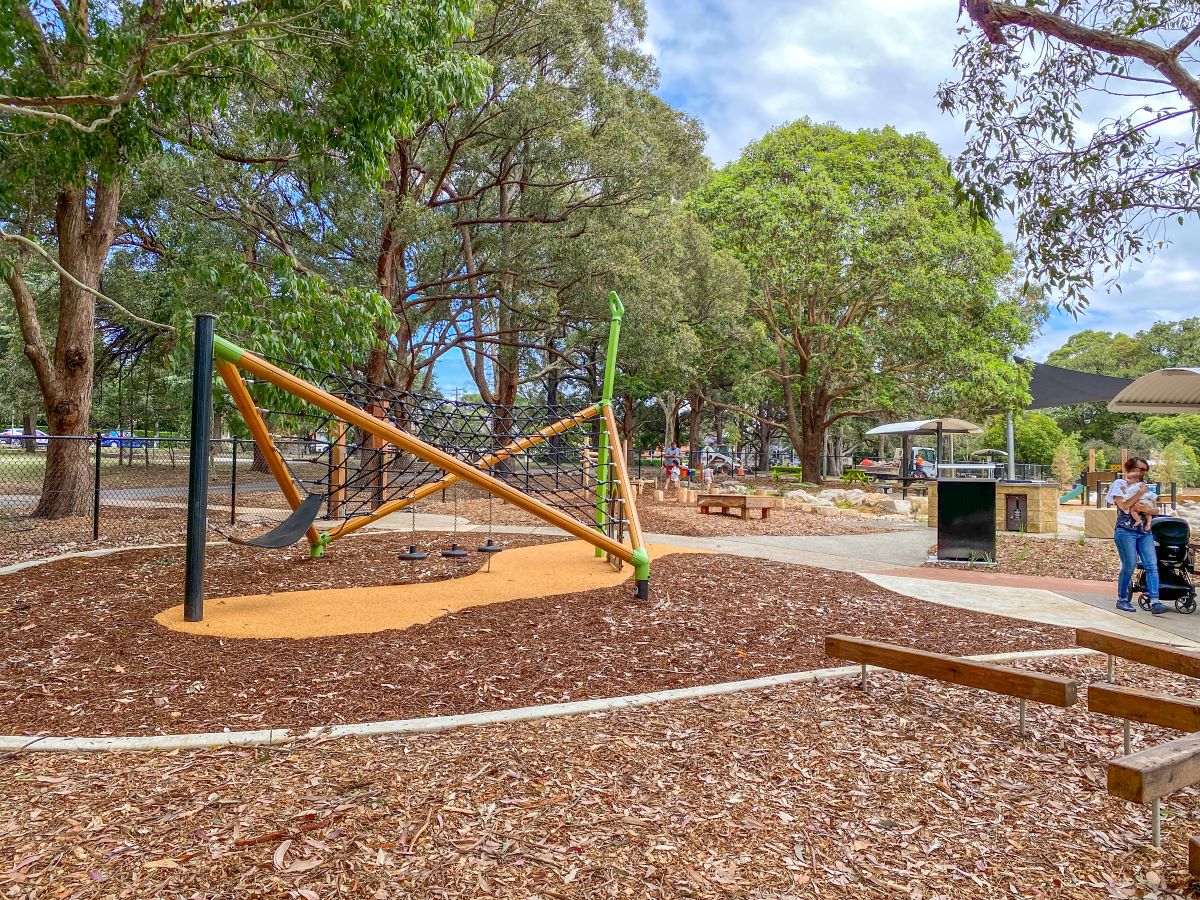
(83, 655)
(1020, 554)
(917, 790)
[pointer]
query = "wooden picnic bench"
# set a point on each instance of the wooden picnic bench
(735, 505)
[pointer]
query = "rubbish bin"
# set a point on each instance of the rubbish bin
(966, 510)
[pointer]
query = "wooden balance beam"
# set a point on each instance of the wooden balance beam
(1051, 689)
(739, 503)
(1148, 653)
(1151, 774)
(1134, 704)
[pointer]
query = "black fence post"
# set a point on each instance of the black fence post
(96, 493)
(233, 484)
(197, 512)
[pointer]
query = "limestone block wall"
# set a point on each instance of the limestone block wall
(1041, 505)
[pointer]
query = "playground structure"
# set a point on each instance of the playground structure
(384, 450)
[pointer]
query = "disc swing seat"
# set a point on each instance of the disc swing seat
(490, 545)
(455, 551)
(412, 554)
(287, 532)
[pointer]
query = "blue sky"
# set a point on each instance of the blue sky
(743, 69)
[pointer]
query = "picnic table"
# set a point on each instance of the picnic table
(735, 505)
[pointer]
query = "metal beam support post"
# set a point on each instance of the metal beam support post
(197, 508)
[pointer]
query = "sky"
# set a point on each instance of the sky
(745, 68)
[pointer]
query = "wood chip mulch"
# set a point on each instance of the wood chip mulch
(669, 517)
(23, 539)
(1018, 554)
(82, 655)
(917, 790)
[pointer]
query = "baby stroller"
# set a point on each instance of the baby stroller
(1176, 565)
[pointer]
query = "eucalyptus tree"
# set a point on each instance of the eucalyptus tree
(91, 91)
(870, 284)
(1082, 122)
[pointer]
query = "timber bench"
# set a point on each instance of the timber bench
(1148, 653)
(735, 505)
(1025, 685)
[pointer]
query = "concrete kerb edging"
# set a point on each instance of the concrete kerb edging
(434, 724)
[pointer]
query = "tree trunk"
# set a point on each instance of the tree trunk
(764, 447)
(66, 377)
(812, 425)
(29, 427)
(695, 405)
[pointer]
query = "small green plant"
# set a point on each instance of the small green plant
(1021, 554)
(1081, 540)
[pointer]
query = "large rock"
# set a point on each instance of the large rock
(855, 497)
(806, 499)
(892, 505)
(835, 495)
(732, 487)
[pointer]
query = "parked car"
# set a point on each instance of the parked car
(123, 439)
(14, 437)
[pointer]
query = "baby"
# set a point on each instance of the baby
(1143, 513)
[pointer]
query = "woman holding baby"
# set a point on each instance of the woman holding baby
(1134, 499)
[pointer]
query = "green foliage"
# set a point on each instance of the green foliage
(1165, 429)
(1067, 460)
(874, 289)
(1092, 184)
(347, 76)
(1037, 437)
(1178, 463)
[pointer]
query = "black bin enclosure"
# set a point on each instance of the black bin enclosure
(966, 510)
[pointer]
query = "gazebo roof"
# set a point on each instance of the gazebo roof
(929, 426)
(1163, 391)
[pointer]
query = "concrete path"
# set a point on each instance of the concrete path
(875, 551)
(1032, 605)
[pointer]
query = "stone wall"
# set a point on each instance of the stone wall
(1041, 505)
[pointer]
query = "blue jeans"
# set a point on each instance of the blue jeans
(1131, 545)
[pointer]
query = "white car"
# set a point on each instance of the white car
(14, 436)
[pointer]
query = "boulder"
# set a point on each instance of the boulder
(732, 487)
(892, 505)
(835, 495)
(855, 497)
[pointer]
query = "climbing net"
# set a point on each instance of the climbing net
(359, 472)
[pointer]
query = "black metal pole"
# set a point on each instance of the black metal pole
(96, 493)
(197, 512)
(233, 485)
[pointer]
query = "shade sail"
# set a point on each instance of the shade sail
(1054, 386)
(1163, 391)
(929, 426)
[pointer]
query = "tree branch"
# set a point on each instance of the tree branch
(42, 252)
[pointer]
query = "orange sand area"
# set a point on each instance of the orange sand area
(522, 573)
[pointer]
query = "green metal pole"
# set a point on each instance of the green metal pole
(617, 311)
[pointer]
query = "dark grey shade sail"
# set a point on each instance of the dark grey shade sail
(1052, 386)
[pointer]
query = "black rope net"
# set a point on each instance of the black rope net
(562, 471)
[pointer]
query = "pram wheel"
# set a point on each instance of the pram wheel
(1186, 603)
(1144, 601)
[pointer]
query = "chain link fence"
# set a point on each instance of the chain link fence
(124, 490)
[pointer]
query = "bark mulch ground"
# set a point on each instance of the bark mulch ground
(668, 517)
(918, 790)
(82, 655)
(1019, 554)
(23, 538)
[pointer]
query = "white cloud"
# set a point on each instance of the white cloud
(744, 69)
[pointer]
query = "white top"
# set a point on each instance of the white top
(1149, 495)
(1116, 489)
